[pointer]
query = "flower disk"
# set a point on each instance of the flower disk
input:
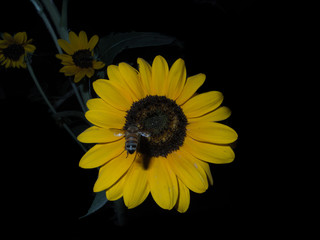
(177, 134)
(82, 59)
(163, 119)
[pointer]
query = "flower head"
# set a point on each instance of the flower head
(14, 49)
(79, 59)
(176, 131)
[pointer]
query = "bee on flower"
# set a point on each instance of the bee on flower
(170, 132)
(79, 60)
(14, 49)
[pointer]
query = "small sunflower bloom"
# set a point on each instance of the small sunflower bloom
(14, 49)
(184, 135)
(79, 59)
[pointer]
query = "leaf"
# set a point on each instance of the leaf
(110, 46)
(98, 202)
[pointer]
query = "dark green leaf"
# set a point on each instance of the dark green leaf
(110, 46)
(98, 202)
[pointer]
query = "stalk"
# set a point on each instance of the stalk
(53, 12)
(52, 109)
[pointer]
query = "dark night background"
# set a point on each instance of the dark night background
(42, 183)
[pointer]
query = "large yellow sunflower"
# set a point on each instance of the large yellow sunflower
(14, 49)
(184, 134)
(79, 60)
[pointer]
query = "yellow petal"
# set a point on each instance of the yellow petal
(102, 153)
(116, 78)
(211, 132)
(89, 72)
(79, 75)
(69, 73)
(20, 37)
(23, 64)
(189, 172)
(93, 42)
(9, 63)
(219, 114)
(65, 58)
(160, 72)
(18, 63)
(69, 70)
(111, 172)
(177, 79)
(184, 197)
(116, 190)
(115, 75)
(97, 64)
(145, 76)
(192, 85)
(163, 183)
(208, 152)
(99, 104)
(106, 119)
(205, 166)
(202, 104)
(4, 44)
(69, 49)
(97, 135)
(7, 36)
(132, 80)
(136, 187)
(112, 94)
(74, 41)
(30, 48)
(83, 40)
(6, 62)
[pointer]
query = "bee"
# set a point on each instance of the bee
(132, 135)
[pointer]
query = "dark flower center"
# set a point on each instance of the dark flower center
(163, 119)
(82, 58)
(13, 52)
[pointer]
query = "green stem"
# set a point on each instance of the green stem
(36, 82)
(63, 33)
(120, 212)
(46, 21)
(64, 15)
(56, 19)
(75, 89)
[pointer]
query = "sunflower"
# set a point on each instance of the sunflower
(184, 134)
(79, 60)
(14, 49)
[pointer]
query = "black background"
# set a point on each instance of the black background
(42, 184)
